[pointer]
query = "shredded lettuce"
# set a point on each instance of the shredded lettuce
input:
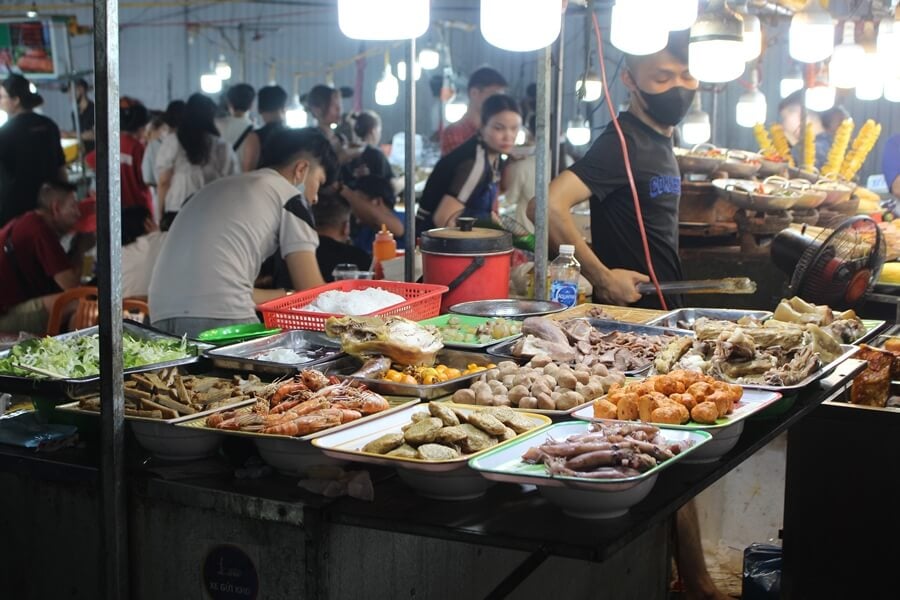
(79, 356)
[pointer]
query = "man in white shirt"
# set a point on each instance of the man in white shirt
(204, 275)
(237, 125)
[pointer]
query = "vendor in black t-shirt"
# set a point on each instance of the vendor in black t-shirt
(466, 181)
(662, 90)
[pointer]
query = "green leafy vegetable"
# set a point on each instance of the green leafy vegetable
(79, 356)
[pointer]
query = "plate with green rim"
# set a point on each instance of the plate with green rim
(470, 321)
(236, 333)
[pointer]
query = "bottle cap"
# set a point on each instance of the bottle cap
(567, 249)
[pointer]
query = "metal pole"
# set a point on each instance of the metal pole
(714, 115)
(109, 250)
(542, 172)
(75, 113)
(556, 122)
(242, 51)
(409, 159)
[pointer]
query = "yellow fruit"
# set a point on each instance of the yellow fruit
(890, 273)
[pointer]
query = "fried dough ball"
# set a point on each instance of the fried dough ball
(686, 399)
(627, 408)
(617, 396)
(648, 403)
(604, 409)
(700, 390)
(705, 412)
(687, 378)
(668, 385)
(722, 400)
(670, 413)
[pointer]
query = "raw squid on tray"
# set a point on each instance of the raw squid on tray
(608, 451)
(308, 403)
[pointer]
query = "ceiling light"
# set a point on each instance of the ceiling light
(578, 132)
(593, 88)
(223, 69)
(716, 50)
(751, 108)
(790, 83)
(520, 137)
(210, 83)
(695, 128)
(296, 117)
(677, 14)
(811, 36)
(632, 32)
(843, 70)
(870, 85)
(888, 44)
(820, 97)
(752, 37)
(521, 25)
(401, 70)
(455, 110)
(429, 58)
(387, 89)
(3, 117)
(384, 19)
(32, 12)
(891, 90)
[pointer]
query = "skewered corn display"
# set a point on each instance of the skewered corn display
(862, 145)
(763, 139)
(838, 150)
(779, 140)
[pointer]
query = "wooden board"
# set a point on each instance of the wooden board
(626, 314)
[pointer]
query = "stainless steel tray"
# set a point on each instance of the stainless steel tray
(503, 350)
(241, 356)
(689, 315)
(848, 352)
(73, 387)
(457, 359)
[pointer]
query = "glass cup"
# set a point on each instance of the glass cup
(345, 271)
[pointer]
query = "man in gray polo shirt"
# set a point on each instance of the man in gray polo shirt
(212, 255)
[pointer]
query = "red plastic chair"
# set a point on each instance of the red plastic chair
(87, 311)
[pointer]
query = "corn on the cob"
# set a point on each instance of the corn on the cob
(862, 145)
(838, 150)
(779, 140)
(809, 149)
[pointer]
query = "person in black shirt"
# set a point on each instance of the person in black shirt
(466, 181)
(30, 149)
(661, 89)
(271, 101)
(332, 217)
(85, 116)
(371, 161)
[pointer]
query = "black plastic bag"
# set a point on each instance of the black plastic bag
(762, 572)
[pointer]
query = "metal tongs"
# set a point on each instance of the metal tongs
(728, 285)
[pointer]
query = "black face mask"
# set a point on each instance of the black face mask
(669, 107)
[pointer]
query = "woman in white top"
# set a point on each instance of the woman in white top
(192, 158)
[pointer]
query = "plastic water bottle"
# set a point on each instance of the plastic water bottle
(564, 273)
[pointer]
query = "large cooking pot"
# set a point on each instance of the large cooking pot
(474, 262)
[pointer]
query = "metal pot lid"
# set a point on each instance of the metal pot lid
(466, 239)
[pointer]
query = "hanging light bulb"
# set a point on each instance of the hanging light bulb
(677, 14)
(888, 44)
(820, 97)
(429, 58)
(695, 127)
(521, 25)
(790, 83)
(811, 36)
(578, 132)
(384, 19)
(520, 137)
(210, 83)
(632, 32)
(870, 85)
(752, 37)
(32, 12)
(387, 89)
(401, 71)
(751, 108)
(223, 69)
(3, 118)
(843, 70)
(455, 109)
(891, 90)
(593, 88)
(716, 50)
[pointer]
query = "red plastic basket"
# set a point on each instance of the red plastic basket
(423, 301)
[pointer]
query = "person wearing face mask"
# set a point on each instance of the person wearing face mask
(465, 182)
(204, 276)
(661, 89)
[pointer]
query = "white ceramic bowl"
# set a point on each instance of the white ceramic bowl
(168, 442)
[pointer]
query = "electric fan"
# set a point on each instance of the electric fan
(836, 267)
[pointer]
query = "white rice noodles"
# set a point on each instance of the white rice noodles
(354, 302)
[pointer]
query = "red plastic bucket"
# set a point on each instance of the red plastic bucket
(473, 262)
